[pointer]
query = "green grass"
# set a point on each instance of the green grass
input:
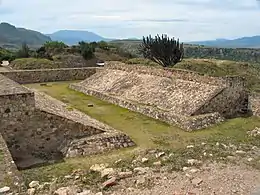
(146, 132)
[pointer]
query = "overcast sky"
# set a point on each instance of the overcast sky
(186, 19)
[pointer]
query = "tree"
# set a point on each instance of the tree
(103, 45)
(54, 47)
(87, 50)
(24, 52)
(162, 50)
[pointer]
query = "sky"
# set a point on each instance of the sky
(189, 20)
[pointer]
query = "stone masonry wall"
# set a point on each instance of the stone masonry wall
(230, 102)
(49, 75)
(254, 104)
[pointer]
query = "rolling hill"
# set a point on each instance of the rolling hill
(12, 37)
(243, 42)
(72, 37)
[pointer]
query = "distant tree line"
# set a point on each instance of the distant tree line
(52, 48)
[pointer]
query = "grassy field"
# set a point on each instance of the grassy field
(146, 132)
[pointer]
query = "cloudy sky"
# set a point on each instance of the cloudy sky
(186, 19)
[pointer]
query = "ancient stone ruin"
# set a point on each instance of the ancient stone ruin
(38, 129)
(187, 99)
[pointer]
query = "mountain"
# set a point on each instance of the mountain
(12, 37)
(72, 37)
(243, 42)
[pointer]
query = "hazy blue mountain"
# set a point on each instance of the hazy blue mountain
(243, 42)
(13, 37)
(72, 37)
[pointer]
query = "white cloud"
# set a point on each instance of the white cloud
(186, 19)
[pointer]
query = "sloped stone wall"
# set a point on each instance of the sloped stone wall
(188, 123)
(230, 100)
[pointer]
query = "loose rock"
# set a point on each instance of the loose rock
(31, 191)
(107, 172)
(140, 181)
(160, 154)
(109, 182)
(98, 167)
(158, 163)
(144, 160)
(194, 162)
(34, 184)
(86, 192)
(66, 191)
(4, 189)
(196, 181)
(141, 170)
(190, 146)
(240, 152)
(123, 175)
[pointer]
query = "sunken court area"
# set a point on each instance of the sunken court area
(38, 129)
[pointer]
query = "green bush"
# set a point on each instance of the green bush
(6, 55)
(87, 50)
(34, 63)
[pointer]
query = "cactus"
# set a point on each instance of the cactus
(162, 50)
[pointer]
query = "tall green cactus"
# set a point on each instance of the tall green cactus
(162, 50)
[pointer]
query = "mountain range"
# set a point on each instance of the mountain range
(243, 42)
(72, 37)
(12, 37)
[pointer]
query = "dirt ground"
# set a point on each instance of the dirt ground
(220, 179)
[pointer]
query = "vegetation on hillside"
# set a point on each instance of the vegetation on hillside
(162, 50)
(55, 54)
(6, 55)
(196, 51)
